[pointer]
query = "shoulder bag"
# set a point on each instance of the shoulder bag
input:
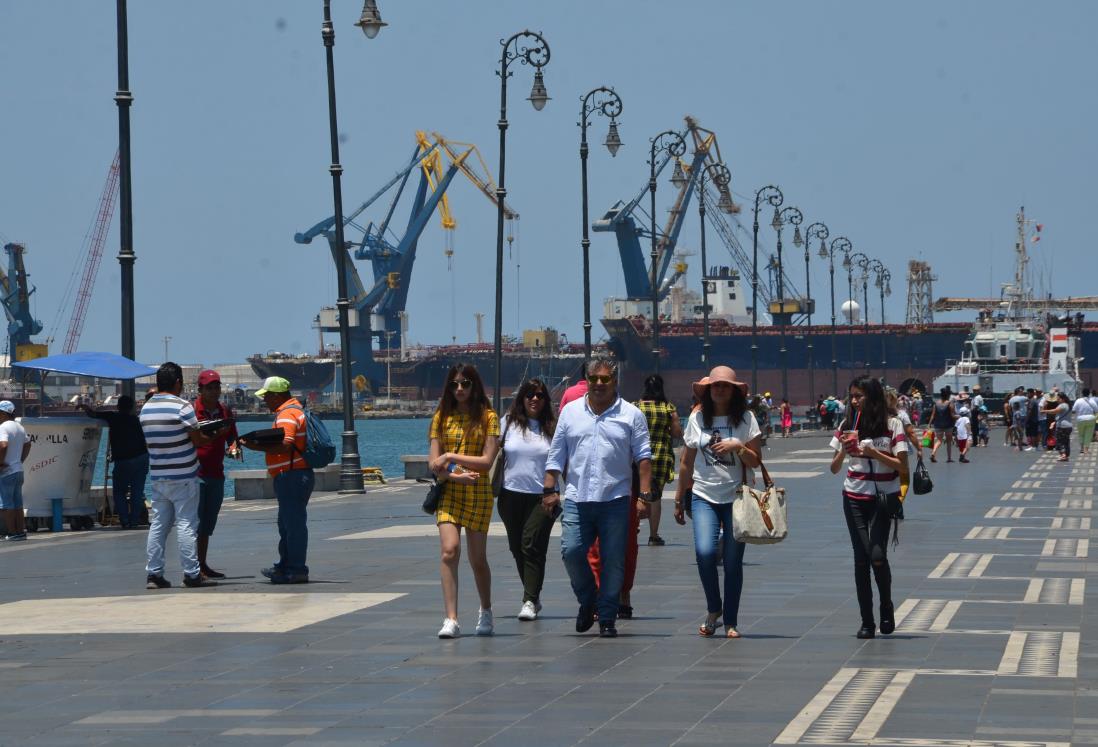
(495, 472)
(920, 480)
(759, 516)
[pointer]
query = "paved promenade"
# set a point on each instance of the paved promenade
(997, 641)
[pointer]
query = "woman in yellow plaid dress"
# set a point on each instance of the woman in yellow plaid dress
(464, 439)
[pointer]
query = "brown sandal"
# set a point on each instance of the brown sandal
(731, 632)
(708, 628)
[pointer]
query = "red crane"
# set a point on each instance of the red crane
(95, 255)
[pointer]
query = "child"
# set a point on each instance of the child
(983, 429)
(963, 427)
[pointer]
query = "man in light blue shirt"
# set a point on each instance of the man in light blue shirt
(597, 441)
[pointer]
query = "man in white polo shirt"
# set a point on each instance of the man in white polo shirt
(597, 441)
(14, 447)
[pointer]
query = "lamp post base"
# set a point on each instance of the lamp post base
(350, 466)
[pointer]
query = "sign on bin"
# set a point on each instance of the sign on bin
(61, 464)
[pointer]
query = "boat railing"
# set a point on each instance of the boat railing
(1016, 365)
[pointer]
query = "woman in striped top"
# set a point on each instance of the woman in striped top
(877, 449)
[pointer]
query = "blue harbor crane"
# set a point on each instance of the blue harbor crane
(376, 309)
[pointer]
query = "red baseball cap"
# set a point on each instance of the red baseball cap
(208, 377)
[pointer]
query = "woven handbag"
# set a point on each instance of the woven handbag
(759, 516)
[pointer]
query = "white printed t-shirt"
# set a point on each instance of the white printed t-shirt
(962, 428)
(717, 477)
(862, 473)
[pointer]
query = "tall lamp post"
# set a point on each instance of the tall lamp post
(672, 143)
(775, 197)
(862, 262)
(849, 262)
(123, 98)
(841, 244)
(814, 231)
(529, 48)
(607, 103)
(350, 469)
(884, 285)
(794, 217)
(719, 174)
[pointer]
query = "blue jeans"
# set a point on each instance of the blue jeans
(292, 489)
(11, 491)
(128, 486)
(581, 524)
(709, 519)
(174, 502)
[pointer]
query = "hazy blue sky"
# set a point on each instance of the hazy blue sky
(916, 129)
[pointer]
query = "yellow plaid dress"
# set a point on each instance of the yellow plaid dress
(468, 506)
(659, 416)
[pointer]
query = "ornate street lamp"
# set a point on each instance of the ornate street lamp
(673, 144)
(607, 103)
(840, 244)
(123, 98)
(719, 174)
(350, 468)
(860, 260)
(814, 231)
(775, 197)
(529, 48)
(884, 285)
(793, 217)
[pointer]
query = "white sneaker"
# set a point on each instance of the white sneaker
(450, 629)
(484, 623)
(528, 612)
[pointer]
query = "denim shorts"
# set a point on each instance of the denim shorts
(11, 491)
(211, 494)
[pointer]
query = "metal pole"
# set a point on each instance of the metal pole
(884, 352)
(675, 147)
(795, 218)
(865, 317)
(123, 98)
(834, 353)
(705, 271)
(350, 471)
(820, 231)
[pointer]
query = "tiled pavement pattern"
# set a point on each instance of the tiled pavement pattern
(993, 583)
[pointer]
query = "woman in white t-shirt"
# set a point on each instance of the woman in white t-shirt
(724, 432)
(525, 434)
(1085, 412)
(877, 448)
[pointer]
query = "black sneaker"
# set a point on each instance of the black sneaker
(211, 573)
(888, 620)
(197, 582)
(625, 612)
(289, 578)
(866, 631)
(656, 541)
(17, 537)
(607, 630)
(157, 582)
(268, 572)
(585, 618)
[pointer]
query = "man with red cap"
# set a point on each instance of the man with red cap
(211, 463)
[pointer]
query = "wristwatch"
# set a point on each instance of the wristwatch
(549, 491)
(645, 496)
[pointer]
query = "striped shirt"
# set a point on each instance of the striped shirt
(863, 473)
(166, 421)
(291, 419)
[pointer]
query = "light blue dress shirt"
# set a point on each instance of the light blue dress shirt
(596, 452)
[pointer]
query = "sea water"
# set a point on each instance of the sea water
(381, 443)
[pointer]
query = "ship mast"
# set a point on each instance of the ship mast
(1018, 293)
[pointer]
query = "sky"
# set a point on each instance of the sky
(914, 129)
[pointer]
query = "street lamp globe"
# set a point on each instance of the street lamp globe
(613, 140)
(725, 204)
(370, 22)
(797, 240)
(538, 95)
(823, 249)
(776, 222)
(678, 178)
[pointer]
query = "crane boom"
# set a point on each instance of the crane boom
(104, 214)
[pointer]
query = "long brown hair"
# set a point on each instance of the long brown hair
(478, 400)
(547, 419)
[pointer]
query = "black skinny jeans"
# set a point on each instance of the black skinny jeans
(869, 527)
(1063, 441)
(528, 528)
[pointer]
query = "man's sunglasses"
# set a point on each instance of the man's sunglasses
(599, 379)
(461, 384)
(535, 395)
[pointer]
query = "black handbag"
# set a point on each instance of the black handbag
(920, 480)
(430, 502)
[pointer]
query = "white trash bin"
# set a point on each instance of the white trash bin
(61, 464)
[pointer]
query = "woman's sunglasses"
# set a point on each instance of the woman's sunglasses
(535, 395)
(599, 379)
(461, 384)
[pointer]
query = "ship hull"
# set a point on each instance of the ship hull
(906, 357)
(305, 375)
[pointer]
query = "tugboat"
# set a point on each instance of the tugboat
(1019, 344)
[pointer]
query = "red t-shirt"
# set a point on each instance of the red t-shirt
(572, 393)
(211, 457)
